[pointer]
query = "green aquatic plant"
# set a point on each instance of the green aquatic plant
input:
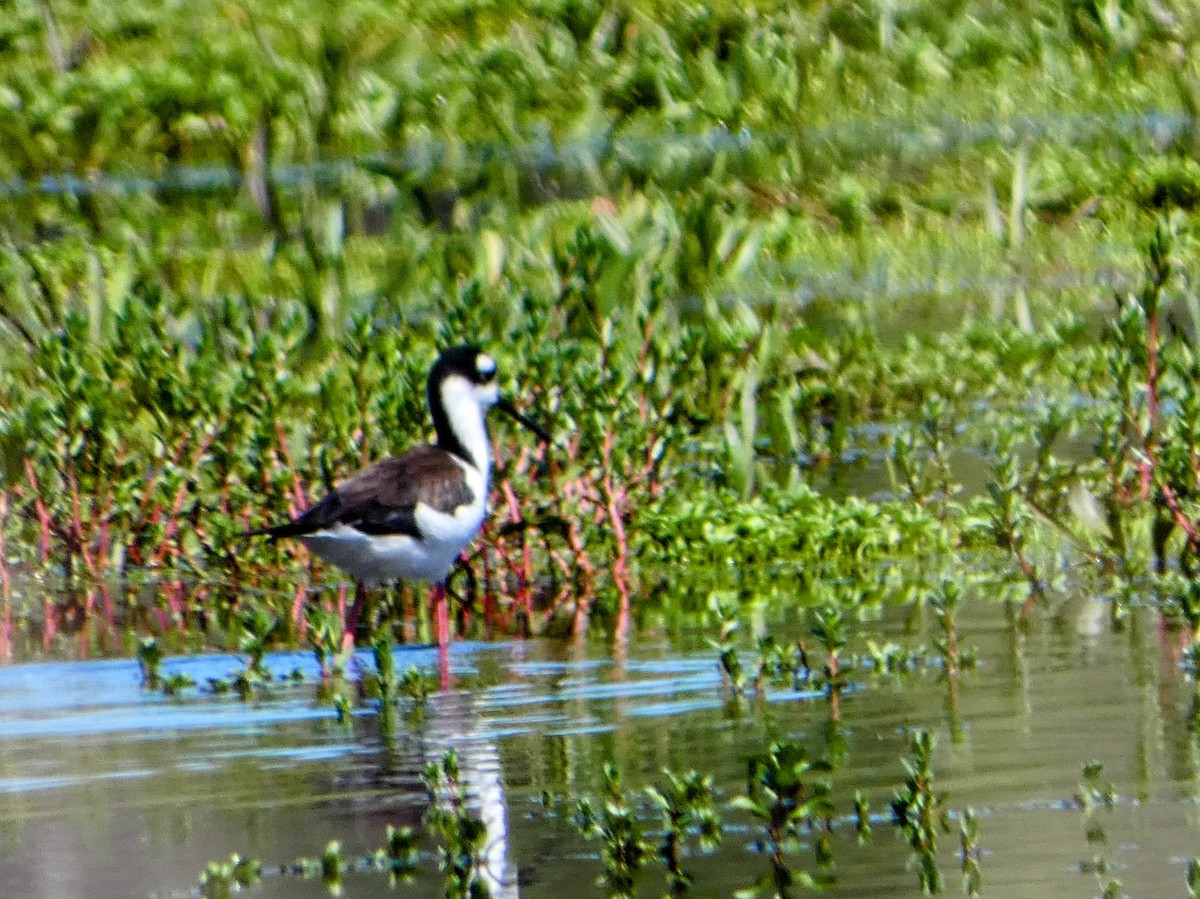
(544, 547)
(1011, 520)
(886, 657)
(945, 604)
(461, 834)
(968, 830)
(781, 663)
(920, 812)
(920, 457)
(685, 802)
(1093, 791)
(623, 846)
(219, 686)
(331, 867)
(731, 668)
(257, 630)
(398, 858)
(176, 682)
(400, 854)
(150, 657)
(725, 608)
(325, 636)
(385, 682)
(220, 880)
(416, 685)
(343, 707)
(831, 632)
(779, 530)
(787, 793)
(862, 817)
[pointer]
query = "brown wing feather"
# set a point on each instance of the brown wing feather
(382, 498)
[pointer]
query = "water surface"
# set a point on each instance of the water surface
(108, 790)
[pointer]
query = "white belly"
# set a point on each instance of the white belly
(377, 559)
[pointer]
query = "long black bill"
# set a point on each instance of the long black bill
(509, 409)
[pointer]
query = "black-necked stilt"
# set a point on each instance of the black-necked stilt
(409, 517)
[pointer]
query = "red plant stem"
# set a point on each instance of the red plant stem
(77, 529)
(341, 605)
(582, 559)
(180, 447)
(39, 507)
(299, 501)
(1150, 461)
(105, 538)
(560, 598)
(573, 493)
(172, 525)
(1185, 524)
(177, 504)
(579, 621)
(490, 612)
(1147, 464)
(500, 547)
(50, 625)
(174, 593)
(561, 563)
(298, 610)
(525, 578)
(5, 584)
(150, 510)
(444, 667)
(570, 494)
(107, 605)
(588, 571)
(102, 512)
(614, 499)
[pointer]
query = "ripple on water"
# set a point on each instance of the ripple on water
(140, 790)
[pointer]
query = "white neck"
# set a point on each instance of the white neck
(465, 415)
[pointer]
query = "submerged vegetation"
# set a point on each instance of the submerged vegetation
(786, 794)
(830, 307)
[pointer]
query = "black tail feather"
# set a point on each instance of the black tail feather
(278, 531)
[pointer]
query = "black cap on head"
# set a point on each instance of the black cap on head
(470, 362)
(466, 360)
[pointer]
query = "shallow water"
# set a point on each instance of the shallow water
(107, 790)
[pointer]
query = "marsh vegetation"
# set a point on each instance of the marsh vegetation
(840, 313)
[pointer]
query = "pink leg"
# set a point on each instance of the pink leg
(444, 667)
(441, 614)
(350, 624)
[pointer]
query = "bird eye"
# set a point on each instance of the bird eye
(486, 366)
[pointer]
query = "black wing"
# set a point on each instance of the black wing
(383, 498)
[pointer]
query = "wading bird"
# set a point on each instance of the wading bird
(410, 516)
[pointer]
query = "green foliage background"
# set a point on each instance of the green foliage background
(712, 244)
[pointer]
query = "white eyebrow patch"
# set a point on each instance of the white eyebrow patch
(485, 364)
